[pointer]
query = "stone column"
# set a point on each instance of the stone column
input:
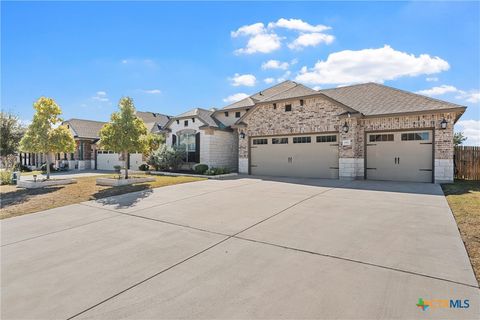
(443, 139)
(350, 149)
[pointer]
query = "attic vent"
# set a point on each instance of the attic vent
(261, 93)
(154, 114)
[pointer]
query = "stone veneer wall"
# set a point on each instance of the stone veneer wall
(219, 149)
(320, 115)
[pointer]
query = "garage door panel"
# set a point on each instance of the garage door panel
(313, 159)
(402, 156)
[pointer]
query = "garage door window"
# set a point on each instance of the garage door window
(415, 136)
(279, 140)
(332, 138)
(381, 137)
(302, 139)
(260, 141)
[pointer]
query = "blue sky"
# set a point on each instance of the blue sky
(171, 57)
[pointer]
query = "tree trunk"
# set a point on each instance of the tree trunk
(47, 156)
(125, 158)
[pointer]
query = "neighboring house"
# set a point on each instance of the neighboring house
(364, 131)
(87, 154)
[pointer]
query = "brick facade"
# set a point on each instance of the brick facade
(319, 114)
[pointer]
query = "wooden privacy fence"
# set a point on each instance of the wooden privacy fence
(467, 162)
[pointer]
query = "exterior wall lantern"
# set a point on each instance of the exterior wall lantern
(345, 127)
(242, 135)
(443, 124)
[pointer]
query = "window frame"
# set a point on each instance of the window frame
(259, 141)
(288, 108)
(283, 140)
(382, 137)
(303, 139)
(326, 138)
(238, 114)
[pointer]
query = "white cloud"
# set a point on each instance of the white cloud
(263, 43)
(249, 30)
(268, 80)
(431, 79)
(298, 25)
(470, 129)
(472, 96)
(310, 40)
(101, 96)
(437, 91)
(235, 97)
(248, 80)
(370, 65)
(152, 91)
(316, 88)
(275, 64)
(284, 77)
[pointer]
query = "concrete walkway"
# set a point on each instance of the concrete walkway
(241, 248)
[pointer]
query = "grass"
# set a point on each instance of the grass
(464, 199)
(15, 202)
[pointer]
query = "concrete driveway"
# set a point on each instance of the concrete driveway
(241, 248)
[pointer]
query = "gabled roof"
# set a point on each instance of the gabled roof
(299, 90)
(85, 128)
(262, 95)
(377, 99)
(203, 114)
(149, 117)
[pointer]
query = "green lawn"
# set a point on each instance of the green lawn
(464, 199)
(15, 202)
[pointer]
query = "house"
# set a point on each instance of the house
(88, 155)
(364, 131)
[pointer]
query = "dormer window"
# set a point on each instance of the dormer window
(237, 114)
(178, 121)
(301, 102)
(248, 110)
(274, 106)
(193, 120)
(288, 107)
(226, 113)
(185, 123)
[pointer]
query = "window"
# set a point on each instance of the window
(301, 102)
(302, 139)
(274, 106)
(193, 120)
(237, 114)
(279, 140)
(415, 136)
(331, 138)
(248, 110)
(186, 141)
(226, 113)
(260, 141)
(185, 123)
(381, 137)
(178, 121)
(288, 107)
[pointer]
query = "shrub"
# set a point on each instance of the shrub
(216, 171)
(167, 158)
(144, 167)
(5, 177)
(117, 168)
(22, 168)
(200, 168)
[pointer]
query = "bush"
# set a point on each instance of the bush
(167, 158)
(216, 171)
(144, 167)
(5, 177)
(44, 167)
(200, 168)
(22, 168)
(117, 168)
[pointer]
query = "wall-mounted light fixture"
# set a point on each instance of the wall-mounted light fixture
(443, 124)
(345, 127)
(242, 135)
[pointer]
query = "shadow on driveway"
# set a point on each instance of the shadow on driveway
(129, 196)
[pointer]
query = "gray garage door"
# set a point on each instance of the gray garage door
(400, 156)
(307, 156)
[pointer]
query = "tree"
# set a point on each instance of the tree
(458, 138)
(11, 133)
(153, 141)
(46, 134)
(125, 132)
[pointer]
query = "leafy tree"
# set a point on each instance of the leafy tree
(458, 138)
(11, 133)
(167, 158)
(153, 141)
(45, 134)
(125, 132)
